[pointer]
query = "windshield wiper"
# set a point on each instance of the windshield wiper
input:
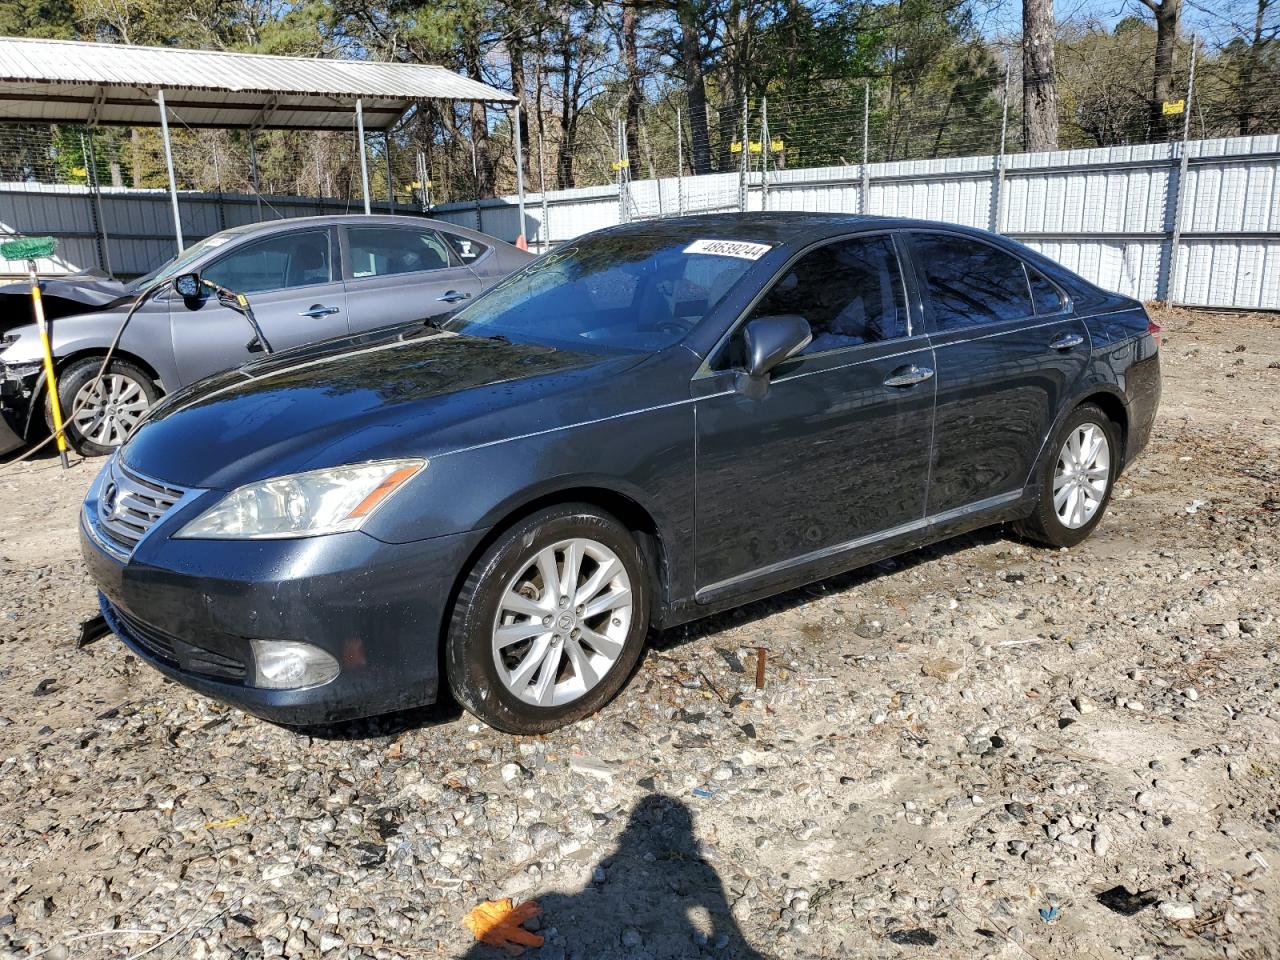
(501, 338)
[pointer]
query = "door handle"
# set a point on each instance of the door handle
(317, 310)
(908, 376)
(453, 296)
(1065, 341)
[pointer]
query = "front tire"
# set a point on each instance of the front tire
(550, 621)
(99, 420)
(1076, 483)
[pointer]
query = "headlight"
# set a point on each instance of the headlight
(303, 504)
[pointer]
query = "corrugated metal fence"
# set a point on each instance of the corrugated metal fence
(1124, 217)
(1109, 213)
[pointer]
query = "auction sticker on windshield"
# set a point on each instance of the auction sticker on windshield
(741, 249)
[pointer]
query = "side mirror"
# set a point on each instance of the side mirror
(188, 286)
(770, 340)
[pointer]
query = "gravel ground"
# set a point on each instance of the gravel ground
(981, 749)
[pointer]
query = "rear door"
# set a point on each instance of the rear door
(295, 290)
(1008, 349)
(397, 274)
(836, 452)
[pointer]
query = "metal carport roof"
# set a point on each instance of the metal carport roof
(68, 81)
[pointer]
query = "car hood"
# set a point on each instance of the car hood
(370, 397)
(63, 297)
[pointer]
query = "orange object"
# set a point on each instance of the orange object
(497, 923)
(522, 243)
(384, 488)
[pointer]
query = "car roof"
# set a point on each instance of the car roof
(354, 219)
(780, 227)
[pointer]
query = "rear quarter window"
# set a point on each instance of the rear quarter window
(468, 250)
(969, 283)
(1047, 297)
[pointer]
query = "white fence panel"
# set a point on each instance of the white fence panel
(1106, 213)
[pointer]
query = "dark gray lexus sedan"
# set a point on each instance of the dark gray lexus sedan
(646, 425)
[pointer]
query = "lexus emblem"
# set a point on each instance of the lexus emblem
(109, 495)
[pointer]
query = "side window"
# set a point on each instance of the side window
(276, 263)
(387, 251)
(1048, 298)
(969, 282)
(468, 250)
(850, 291)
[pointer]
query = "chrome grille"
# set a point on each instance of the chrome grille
(129, 505)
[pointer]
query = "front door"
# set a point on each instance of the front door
(836, 452)
(294, 289)
(1008, 350)
(398, 274)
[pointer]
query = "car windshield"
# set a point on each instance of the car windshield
(630, 292)
(175, 265)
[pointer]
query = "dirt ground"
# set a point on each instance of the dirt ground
(982, 749)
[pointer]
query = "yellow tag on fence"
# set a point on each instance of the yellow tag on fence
(776, 145)
(735, 147)
(756, 146)
(1173, 107)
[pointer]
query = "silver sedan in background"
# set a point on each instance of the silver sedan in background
(308, 279)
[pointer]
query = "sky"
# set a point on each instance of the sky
(1214, 20)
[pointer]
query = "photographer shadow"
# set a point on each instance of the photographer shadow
(659, 900)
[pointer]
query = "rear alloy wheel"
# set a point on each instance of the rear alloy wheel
(550, 622)
(1082, 475)
(100, 417)
(1076, 486)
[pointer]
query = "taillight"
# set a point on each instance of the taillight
(1154, 329)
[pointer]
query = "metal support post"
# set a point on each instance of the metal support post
(391, 185)
(544, 231)
(515, 122)
(253, 174)
(1175, 237)
(99, 222)
(764, 153)
(679, 162)
(997, 186)
(364, 163)
(424, 179)
(743, 167)
(864, 195)
(168, 164)
(475, 184)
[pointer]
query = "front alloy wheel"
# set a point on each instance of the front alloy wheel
(562, 622)
(550, 621)
(107, 413)
(100, 416)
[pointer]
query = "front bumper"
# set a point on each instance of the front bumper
(17, 386)
(190, 607)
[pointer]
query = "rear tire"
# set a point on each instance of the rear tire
(106, 416)
(1075, 485)
(550, 622)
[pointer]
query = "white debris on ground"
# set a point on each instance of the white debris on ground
(982, 749)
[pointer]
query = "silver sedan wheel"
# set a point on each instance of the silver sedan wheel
(1083, 473)
(562, 622)
(107, 414)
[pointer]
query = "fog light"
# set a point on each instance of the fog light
(289, 665)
